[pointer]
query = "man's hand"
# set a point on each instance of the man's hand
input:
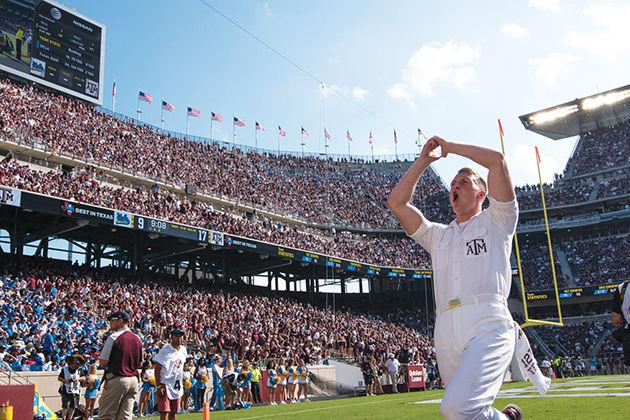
(429, 149)
(161, 390)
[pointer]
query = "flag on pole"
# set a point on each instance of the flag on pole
(370, 138)
(348, 136)
(143, 96)
(193, 112)
(167, 107)
(395, 137)
(259, 126)
(421, 134)
(281, 132)
(304, 132)
(216, 117)
(114, 90)
(500, 127)
(537, 154)
(238, 122)
(327, 135)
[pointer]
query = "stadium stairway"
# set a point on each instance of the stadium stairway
(565, 268)
(600, 341)
(533, 335)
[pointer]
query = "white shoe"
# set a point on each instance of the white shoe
(283, 402)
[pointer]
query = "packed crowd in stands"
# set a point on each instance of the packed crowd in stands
(599, 260)
(571, 344)
(312, 189)
(50, 309)
(602, 149)
(537, 273)
(82, 186)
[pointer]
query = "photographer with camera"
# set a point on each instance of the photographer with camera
(621, 319)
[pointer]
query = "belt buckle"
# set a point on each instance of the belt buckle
(454, 303)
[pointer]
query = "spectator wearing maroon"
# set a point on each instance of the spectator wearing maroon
(122, 358)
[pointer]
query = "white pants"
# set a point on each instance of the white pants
(474, 346)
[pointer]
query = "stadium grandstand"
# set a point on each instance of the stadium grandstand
(101, 212)
(147, 224)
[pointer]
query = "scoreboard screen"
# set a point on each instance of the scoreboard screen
(45, 42)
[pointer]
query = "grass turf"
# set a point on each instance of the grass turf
(399, 407)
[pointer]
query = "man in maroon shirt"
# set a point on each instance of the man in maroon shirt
(122, 358)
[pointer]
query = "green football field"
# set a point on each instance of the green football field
(590, 397)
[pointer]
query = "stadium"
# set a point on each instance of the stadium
(282, 268)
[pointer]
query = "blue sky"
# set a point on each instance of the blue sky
(450, 68)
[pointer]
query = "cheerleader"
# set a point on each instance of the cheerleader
(292, 381)
(91, 390)
(303, 381)
(281, 390)
(272, 381)
(147, 389)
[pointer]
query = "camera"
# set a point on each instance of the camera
(622, 335)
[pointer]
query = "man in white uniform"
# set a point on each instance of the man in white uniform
(169, 375)
(474, 330)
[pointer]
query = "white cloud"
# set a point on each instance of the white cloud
(522, 161)
(359, 93)
(545, 5)
(612, 21)
(551, 67)
(514, 30)
(434, 64)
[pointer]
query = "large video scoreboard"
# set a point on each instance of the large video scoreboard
(47, 43)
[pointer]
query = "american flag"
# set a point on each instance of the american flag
(259, 126)
(327, 134)
(216, 117)
(370, 138)
(421, 134)
(114, 89)
(143, 96)
(304, 132)
(500, 128)
(167, 107)
(238, 122)
(348, 136)
(395, 137)
(193, 112)
(282, 132)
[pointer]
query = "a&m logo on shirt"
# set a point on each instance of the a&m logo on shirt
(476, 247)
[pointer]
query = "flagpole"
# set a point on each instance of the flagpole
(278, 142)
(187, 123)
(372, 146)
(233, 133)
(302, 135)
(255, 136)
(211, 128)
(162, 115)
(348, 140)
(138, 110)
(114, 97)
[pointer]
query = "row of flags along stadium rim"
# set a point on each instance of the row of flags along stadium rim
(196, 113)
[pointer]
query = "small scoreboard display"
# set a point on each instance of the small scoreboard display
(47, 43)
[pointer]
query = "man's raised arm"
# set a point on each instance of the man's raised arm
(400, 198)
(500, 184)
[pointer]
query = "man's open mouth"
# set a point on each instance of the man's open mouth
(455, 196)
